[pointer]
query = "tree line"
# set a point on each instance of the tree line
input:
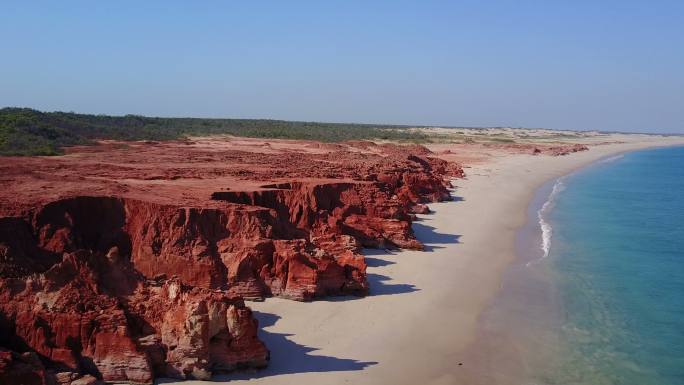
(25, 131)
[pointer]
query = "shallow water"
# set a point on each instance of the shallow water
(618, 254)
(597, 295)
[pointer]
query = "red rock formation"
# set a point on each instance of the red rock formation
(298, 240)
(94, 313)
(132, 285)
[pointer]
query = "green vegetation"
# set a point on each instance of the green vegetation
(25, 131)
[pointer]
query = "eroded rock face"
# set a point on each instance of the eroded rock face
(297, 239)
(127, 288)
(95, 314)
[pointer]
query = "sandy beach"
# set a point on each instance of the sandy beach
(422, 315)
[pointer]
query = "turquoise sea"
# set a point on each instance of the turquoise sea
(617, 256)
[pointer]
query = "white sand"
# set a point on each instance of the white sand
(424, 308)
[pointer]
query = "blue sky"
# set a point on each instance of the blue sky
(611, 65)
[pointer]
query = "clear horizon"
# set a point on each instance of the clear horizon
(613, 66)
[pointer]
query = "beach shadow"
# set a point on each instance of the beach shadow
(428, 235)
(376, 282)
(432, 238)
(377, 262)
(288, 357)
(379, 287)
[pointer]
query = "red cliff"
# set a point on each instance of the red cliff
(148, 279)
(93, 313)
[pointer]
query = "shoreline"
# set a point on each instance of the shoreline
(425, 309)
(514, 333)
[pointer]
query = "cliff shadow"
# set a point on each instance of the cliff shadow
(379, 287)
(288, 357)
(377, 259)
(377, 262)
(432, 238)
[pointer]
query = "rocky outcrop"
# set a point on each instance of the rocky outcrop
(298, 239)
(127, 288)
(94, 314)
(245, 250)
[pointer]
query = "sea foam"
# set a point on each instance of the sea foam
(546, 229)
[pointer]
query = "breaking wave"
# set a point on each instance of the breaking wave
(546, 229)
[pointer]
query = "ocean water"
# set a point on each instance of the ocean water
(611, 260)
